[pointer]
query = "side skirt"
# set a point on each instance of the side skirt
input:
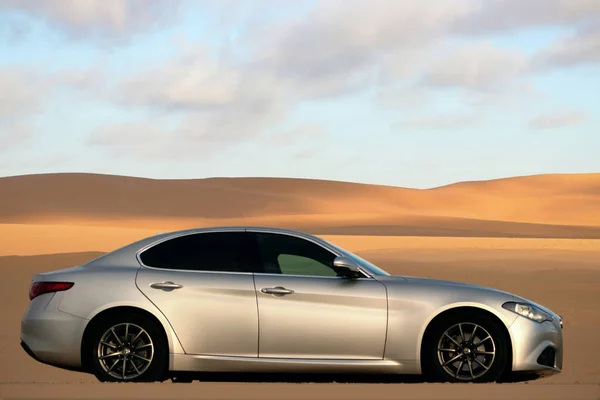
(207, 363)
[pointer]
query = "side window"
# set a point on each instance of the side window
(216, 251)
(298, 265)
(283, 254)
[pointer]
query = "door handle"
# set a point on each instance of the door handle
(166, 285)
(277, 290)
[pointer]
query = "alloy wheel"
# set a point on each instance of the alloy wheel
(466, 351)
(125, 351)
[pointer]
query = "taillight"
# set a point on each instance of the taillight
(38, 288)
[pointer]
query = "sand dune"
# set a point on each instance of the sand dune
(29, 240)
(536, 206)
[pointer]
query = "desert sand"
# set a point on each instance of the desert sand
(564, 206)
(532, 236)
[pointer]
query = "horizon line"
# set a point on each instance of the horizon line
(297, 178)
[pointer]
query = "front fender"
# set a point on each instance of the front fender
(412, 307)
(506, 318)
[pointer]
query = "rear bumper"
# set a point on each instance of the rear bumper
(537, 347)
(30, 352)
(51, 336)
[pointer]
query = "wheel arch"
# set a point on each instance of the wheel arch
(466, 307)
(122, 310)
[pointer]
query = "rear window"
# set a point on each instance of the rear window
(214, 251)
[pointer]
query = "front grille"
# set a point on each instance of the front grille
(547, 357)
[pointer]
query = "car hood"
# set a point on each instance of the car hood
(443, 283)
(439, 283)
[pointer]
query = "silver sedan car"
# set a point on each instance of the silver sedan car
(246, 299)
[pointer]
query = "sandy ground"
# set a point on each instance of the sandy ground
(34, 239)
(562, 274)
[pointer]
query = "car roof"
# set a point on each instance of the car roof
(233, 228)
(127, 255)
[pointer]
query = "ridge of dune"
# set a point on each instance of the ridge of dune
(574, 181)
(548, 200)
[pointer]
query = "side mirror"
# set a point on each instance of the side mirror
(347, 267)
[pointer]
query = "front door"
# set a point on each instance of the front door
(307, 311)
(203, 284)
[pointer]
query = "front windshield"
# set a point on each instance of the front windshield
(375, 270)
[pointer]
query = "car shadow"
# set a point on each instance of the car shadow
(295, 378)
(320, 378)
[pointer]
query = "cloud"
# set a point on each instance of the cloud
(404, 97)
(52, 161)
(344, 28)
(341, 46)
(207, 99)
(25, 94)
(300, 134)
(13, 134)
(146, 139)
(198, 81)
(580, 48)
(558, 119)
(495, 16)
(22, 92)
(440, 122)
(475, 66)
(516, 95)
(215, 102)
(15, 31)
(98, 18)
(307, 153)
(309, 131)
(192, 135)
(338, 48)
(90, 80)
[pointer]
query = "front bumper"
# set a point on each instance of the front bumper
(537, 347)
(51, 336)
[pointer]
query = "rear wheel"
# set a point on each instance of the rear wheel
(465, 347)
(128, 348)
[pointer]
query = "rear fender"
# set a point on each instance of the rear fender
(98, 289)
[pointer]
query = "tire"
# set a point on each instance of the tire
(479, 354)
(130, 340)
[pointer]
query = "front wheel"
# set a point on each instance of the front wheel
(465, 347)
(128, 348)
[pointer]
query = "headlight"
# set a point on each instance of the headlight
(528, 311)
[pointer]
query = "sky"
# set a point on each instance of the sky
(415, 93)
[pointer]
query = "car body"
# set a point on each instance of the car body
(255, 299)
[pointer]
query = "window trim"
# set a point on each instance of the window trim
(364, 278)
(138, 254)
(254, 230)
(299, 235)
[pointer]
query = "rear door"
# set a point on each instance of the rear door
(306, 311)
(203, 284)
